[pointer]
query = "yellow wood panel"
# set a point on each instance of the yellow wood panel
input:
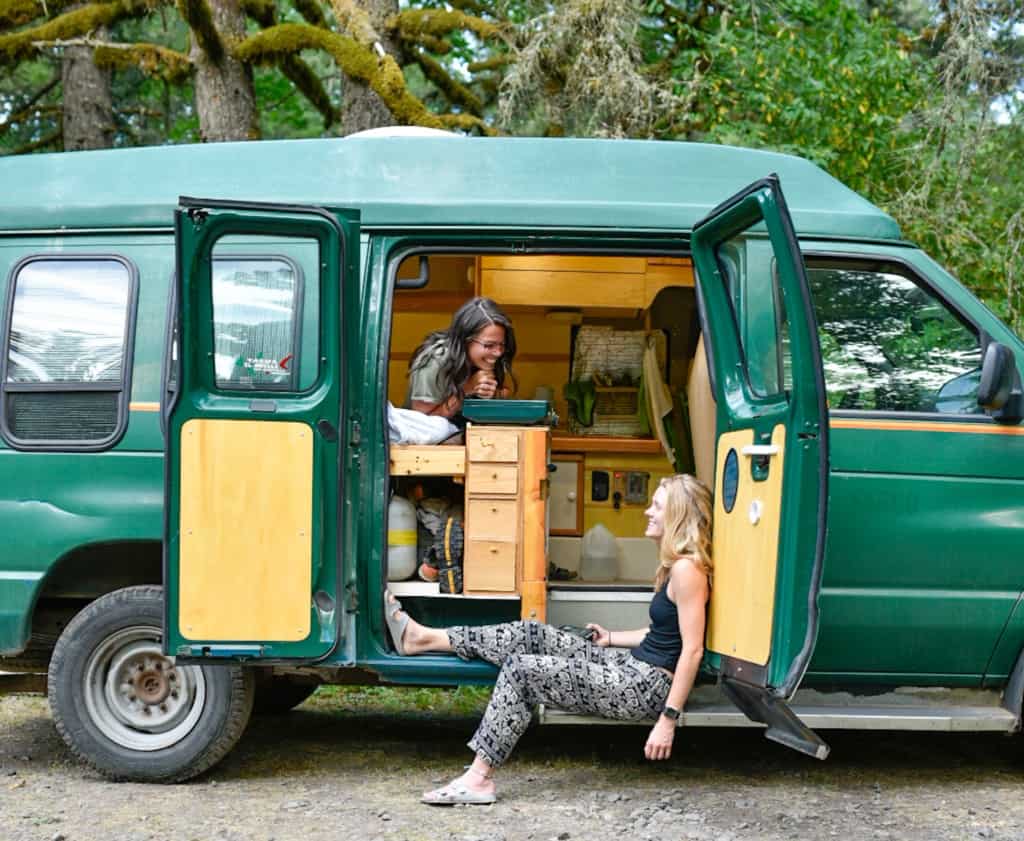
(745, 555)
(661, 277)
(489, 567)
(492, 519)
(245, 530)
(534, 572)
(427, 460)
(564, 263)
(487, 443)
(564, 289)
(492, 478)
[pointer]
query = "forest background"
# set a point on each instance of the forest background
(917, 104)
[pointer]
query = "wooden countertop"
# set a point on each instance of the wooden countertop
(603, 444)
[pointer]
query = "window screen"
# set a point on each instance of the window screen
(64, 376)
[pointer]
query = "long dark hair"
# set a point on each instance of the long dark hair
(468, 320)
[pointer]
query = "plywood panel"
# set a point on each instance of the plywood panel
(491, 444)
(745, 555)
(489, 567)
(564, 263)
(533, 576)
(493, 519)
(493, 478)
(564, 289)
(427, 460)
(245, 530)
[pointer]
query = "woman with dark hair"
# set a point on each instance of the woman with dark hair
(645, 673)
(472, 357)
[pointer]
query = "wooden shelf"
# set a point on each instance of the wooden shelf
(426, 589)
(427, 460)
(604, 444)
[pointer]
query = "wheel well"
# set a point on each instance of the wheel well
(83, 575)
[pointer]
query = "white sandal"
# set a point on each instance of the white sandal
(456, 792)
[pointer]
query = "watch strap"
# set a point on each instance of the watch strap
(670, 712)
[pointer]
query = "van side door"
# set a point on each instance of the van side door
(254, 467)
(771, 459)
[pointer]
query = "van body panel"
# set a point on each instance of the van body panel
(926, 520)
(431, 182)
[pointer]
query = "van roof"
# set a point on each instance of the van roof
(435, 181)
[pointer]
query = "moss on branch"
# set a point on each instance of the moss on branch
(357, 61)
(466, 122)
(151, 59)
(23, 44)
(18, 12)
(452, 89)
(199, 18)
(310, 86)
(412, 23)
(355, 21)
(495, 62)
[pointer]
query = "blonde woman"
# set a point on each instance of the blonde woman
(629, 675)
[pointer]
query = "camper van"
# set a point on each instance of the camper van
(200, 345)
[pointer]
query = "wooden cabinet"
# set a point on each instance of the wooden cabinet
(580, 281)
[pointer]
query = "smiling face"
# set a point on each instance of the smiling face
(656, 515)
(486, 347)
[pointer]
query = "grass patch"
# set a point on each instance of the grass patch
(392, 700)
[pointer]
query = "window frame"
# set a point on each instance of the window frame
(123, 389)
(904, 267)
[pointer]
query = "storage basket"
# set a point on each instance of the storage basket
(618, 402)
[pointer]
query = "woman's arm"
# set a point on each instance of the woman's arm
(618, 639)
(689, 586)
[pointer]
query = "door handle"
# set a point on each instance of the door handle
(760, 450)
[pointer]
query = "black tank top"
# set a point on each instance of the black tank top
(663, 644)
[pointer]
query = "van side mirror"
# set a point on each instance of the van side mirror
(999, 391)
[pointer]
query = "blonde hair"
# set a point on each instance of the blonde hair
(687, 526)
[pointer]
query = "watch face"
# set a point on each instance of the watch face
(670, 712)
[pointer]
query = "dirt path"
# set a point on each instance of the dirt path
(320, 773)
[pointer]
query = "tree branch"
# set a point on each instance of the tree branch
(28, 105)
(355, 60)
(199, 18)
(42, 143)
(19, 12)
(412, 23)
(264, 12)
(454, 91)
(310, 86)
(20, 45)
(152, 59)
(311, 12)
(467, 122)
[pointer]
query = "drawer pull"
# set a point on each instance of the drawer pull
(494, 550)
(494, 509)
(494, 475)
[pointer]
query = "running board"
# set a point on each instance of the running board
(951, 711)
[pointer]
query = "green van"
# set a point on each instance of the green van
(199, 345)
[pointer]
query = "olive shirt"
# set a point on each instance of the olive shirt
(424, 382)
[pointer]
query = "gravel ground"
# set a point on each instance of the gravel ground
(322, 772)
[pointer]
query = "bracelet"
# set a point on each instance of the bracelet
(610, 640)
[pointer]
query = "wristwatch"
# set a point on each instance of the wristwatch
(670, 712)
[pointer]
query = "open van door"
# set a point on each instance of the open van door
(255, 439)
(771, 464)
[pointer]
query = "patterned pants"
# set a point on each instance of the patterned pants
(542, 665)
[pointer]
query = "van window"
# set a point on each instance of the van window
(256, 312)
(889, 344)
(65, 374)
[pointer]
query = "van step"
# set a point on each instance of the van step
(903, 709)
(20, 683)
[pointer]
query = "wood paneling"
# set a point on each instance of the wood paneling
(490, 566)
(484, 444)
(431, 460)
(493, 478)
(246, 523)
(534, 573)
(493, 519)
(745, 555)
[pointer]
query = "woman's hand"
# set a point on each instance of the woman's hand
(602, 636)
(482, 384)
(659, 743)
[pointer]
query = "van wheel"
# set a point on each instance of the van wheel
(277, 694)
(129, 711)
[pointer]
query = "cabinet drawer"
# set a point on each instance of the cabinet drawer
(492, 519)
(493, 479)
(489, 566)
(494, 445)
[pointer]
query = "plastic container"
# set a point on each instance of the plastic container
(401, 539)
(599, 559)
(521, 412)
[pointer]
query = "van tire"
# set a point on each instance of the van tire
(129, 711)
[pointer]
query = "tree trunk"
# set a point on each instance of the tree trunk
(361, 108)
(224, 94)
(88, 108)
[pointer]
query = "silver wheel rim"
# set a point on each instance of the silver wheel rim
(139, 698)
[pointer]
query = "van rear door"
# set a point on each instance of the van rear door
(255, 440)
(771, 456)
